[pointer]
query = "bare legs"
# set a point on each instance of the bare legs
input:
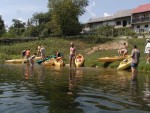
(72, 61)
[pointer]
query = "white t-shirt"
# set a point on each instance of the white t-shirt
(147, 48)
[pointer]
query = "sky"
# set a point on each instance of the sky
(24, 9)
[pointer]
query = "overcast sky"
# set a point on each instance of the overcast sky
(24, 9)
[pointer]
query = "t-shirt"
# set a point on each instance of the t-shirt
(135, 56)
(147, 48)
(43, 51)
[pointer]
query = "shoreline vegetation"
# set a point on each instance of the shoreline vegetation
(91, 48)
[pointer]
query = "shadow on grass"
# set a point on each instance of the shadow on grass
(106, 64)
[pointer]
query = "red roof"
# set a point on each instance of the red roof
(141, 8)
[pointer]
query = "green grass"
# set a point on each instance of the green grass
(54, 44)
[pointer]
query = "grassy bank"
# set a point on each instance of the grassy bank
(54, 44)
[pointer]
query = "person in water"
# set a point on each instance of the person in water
(72, 55)
(31, 60)
(135, 55)
(27, 54)
(123, 51)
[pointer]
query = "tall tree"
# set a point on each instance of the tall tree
(65, 14)
(2, 26)
(17, 29)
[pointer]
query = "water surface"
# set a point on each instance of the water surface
(62, 90)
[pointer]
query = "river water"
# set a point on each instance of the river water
(62, 90)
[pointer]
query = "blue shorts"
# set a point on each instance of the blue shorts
(134, 65)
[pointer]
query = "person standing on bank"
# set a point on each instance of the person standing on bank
(72, 55)
(43, 53)
(124, 50)
(147, 51)
(38, 50)
(135, 55)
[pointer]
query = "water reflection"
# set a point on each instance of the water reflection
(64, 90)
(146, 91)
(134, 87)
(72, 80)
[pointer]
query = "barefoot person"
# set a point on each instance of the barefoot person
(38, 50)
(72, 55)
(31, 60)
(147, 51)
(43, 53)
(135, 61)
(123, 51)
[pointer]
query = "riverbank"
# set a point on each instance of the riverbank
(91, 50)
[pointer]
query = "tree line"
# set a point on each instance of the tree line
(62, 19)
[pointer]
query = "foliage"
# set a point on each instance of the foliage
(105, 31)
(108, 31)
(65, 13)
(2, 27)
(123, 32)
(17, 29)
(38, 25)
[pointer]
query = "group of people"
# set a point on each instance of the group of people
(30, 58)
(135, 55)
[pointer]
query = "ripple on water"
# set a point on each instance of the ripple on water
(23, 100)
(95, 101)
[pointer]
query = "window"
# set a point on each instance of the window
(138, 26)
(146, 26)
(118, 23)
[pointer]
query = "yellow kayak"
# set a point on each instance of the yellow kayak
(58, 62)
(79, 60)
(125, 63)
(20, 60)
(111, 59)
(49, 62)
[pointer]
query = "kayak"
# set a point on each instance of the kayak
(125, 63)
(49, 62)
(58, 62)
(111, 59)
(45, 59)
(79, 60)
(20, 60)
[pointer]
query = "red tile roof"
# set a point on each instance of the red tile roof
(142, 8)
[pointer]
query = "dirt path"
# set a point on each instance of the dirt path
(106, 46)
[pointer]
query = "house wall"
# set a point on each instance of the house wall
(141, 17)
(141, 28)
(109, 23)
(119, 22)
(95, 25)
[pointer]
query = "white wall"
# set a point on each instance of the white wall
(109, 23)
(142, 26)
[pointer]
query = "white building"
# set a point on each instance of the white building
(138, 19)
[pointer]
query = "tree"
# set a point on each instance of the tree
(2, 27)
(65, 14)
(17, 29)
(38, 25)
